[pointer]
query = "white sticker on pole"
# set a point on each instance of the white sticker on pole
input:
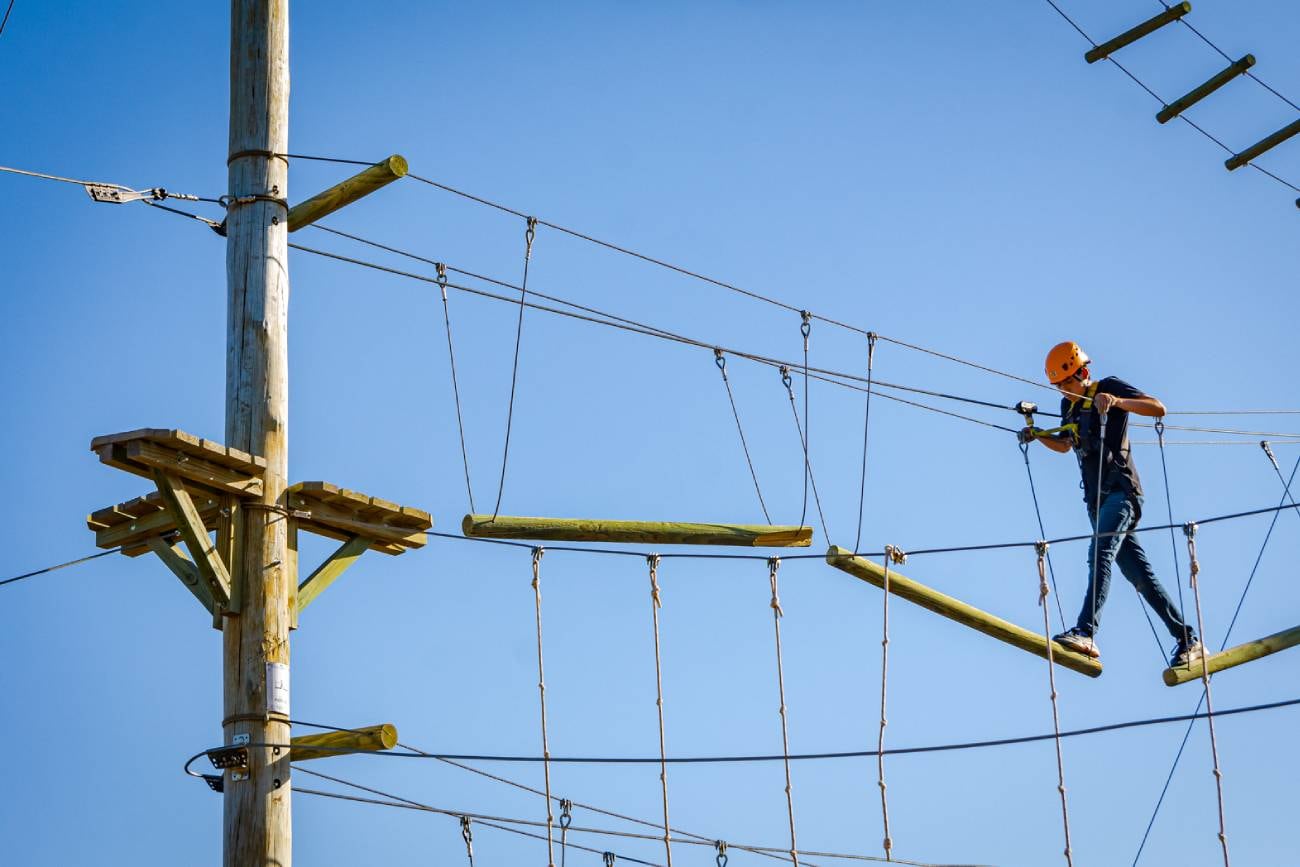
(277, 688)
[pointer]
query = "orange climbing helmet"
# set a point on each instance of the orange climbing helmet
(1064, 360)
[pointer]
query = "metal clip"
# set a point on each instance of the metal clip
(120, 196)
(805, 327)
(566, 814)
(721, 846)
(785, 376)
(719, 359)
(1268, 450)
(529, 234)
(609, 858)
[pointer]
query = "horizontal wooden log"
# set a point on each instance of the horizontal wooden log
(955, 609)
(1180, 105)
(1265, 144)
(321, 205)
(1128, 37)
(642, 532)
(371, 739)
(1235, 656)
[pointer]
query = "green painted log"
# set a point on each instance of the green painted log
(321, 205)
(1236, 161)
(642, 532)
(955, 609)
(1235, 656)
(1128, 37)
(370, 739)
(1180, 105)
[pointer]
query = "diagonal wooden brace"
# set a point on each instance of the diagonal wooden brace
(174, 558)
(329, 571)
(210, 566)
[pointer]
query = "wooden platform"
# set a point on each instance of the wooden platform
(133, 523)
(196, 460)
(340, 513)
(637, 532)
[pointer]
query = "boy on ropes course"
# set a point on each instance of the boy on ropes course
(1091, 410)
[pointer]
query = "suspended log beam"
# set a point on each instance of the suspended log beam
(1128, 37)
(1236, 161)
(321, 205)
(371, 739)
(643, 532)
(1180, 105)
(1234, 656)
(955, 609)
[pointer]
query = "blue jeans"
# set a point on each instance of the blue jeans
(1119, 512)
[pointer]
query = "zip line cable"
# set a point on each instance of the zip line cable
(56, 568)
(1155, 813)
(1183, 116)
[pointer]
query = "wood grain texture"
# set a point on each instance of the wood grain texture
(212, 569)
(370, 739)
(321, 205)
(1234, 656)
(642, 532)
(955, 609)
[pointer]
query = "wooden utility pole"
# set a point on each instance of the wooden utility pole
(254, 534)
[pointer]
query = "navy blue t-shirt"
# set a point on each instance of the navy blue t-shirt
(1119, 472)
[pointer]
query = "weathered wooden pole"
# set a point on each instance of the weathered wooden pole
(1234, 656)
(257, 823)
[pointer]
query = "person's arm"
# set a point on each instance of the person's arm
(1054, 442)
(1141, 405)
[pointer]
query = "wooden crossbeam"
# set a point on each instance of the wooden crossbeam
(1180, 105)
(1267, 143)
(1133, 34)
(643, 532)
(366, 740)
(321, 205)
(131, 524)
(188, 521)
(955, 609)
(329, 571)
(183, 568)
(1234, 656)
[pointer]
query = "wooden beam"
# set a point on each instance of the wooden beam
(190, 524)
(1235, 656)
(1180, 105)
(955, 609)
(367, 740)
(1128, 37)
(138, 530)
(329, 571)
(183, 568)
(1267, 143)
(321, 205)
(196, 470)
(644, 532)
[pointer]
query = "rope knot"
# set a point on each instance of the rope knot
(896, 555)
(774, 565)
(537, 566)
(652, 560)
(1194, 569)
(1041, 548)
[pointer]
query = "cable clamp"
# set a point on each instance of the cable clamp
(529, 234)
(1268, 450)
(609, 858)
(721, 846)
(566, 813)
(785, 376)
(719, 359)
(113, 195)
(234, 756)
(228, 201)
(805, 327)
(896, 555)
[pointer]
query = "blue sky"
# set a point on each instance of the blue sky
(946, 174)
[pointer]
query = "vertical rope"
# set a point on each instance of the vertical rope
(803, 442)
(467, 834)
(896, 555)
(455, 383)
(541, 691)
(1096, 516)
(1042, 533)
(655, 603)
(774, 564)
(866, 428)
(529, 234)
(1043, 590)
(721, 361)
(1195, 570)
(1169, 510)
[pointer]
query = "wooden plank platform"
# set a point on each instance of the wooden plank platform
(196, 460)
(1234, 656)
(640, 532)
(955, 609)
(340, 513)
(133, 523)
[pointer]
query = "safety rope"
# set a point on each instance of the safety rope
(566, 819)
(788, 382)
(541, 691)
(1038, 513)
(467, 834)
(455, 383)
(1194, 569)
(655, 603)
(720, 359)
(892, 555)
(529, 234)
(866, 428)
(773, 565)
(1043, 590)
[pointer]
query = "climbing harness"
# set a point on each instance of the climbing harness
(1194, 570)
(773, 565)
(898, 557)
(655, 603)
(541, 691)
(467, 834)
(1040, 548)
(720, 359)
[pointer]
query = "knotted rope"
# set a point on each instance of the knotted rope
(774, 564)
(1043, 591)
(655, 603)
